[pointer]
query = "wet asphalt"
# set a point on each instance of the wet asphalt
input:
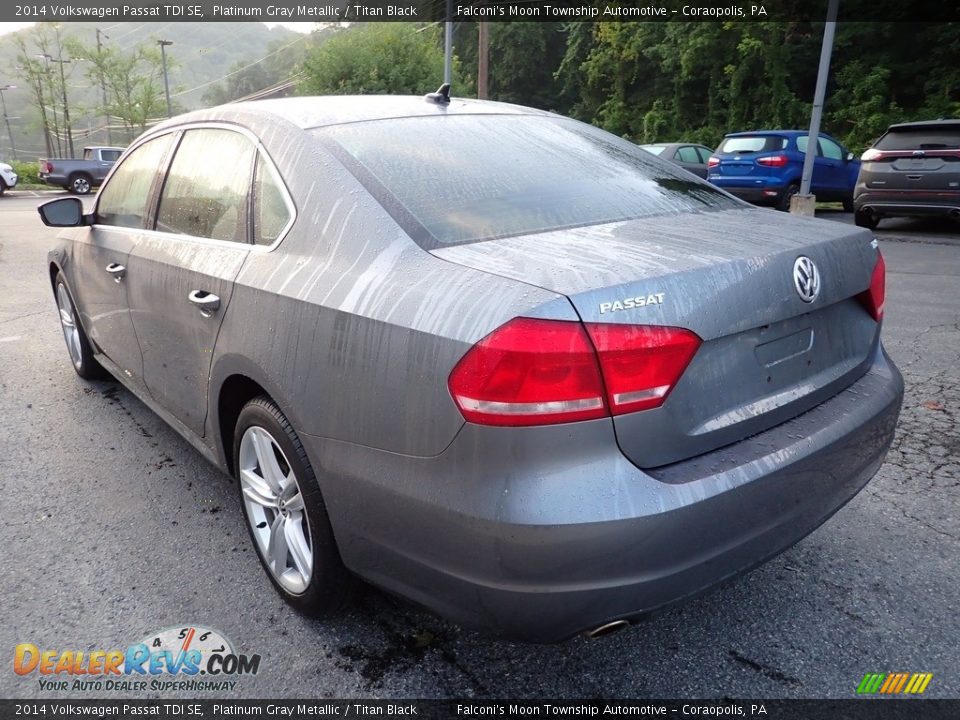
(114, 527)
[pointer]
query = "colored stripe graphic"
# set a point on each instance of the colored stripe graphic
(894, 683)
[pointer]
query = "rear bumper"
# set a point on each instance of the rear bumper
(892, 203)
(759, 191)
(538, 533)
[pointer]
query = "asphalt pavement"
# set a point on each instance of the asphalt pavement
(115, 528)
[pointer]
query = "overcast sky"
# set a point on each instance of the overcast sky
(302, 27)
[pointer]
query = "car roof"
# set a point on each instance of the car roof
(319, 111)
(771, 132)
(926, 123)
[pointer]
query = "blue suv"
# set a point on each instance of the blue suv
(764, 167)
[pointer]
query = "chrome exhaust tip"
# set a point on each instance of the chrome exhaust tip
(606, 629)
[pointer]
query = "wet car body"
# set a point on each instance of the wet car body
(356, 318)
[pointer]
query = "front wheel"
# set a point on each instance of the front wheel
(81, 353)
(285, 513)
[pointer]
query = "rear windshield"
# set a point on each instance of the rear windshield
(921, 138)
(753, 143)
(654, 149)
(463, 178)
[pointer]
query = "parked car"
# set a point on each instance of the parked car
(80, 176)
(912, 170)
(765, 167)
(8, 178)
(689, 156)
(497, 361)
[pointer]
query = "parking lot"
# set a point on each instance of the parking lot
(117, 528)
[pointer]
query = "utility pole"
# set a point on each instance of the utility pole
(805, 203)
(103, 87)
(6, 119)
(483, 61)
(448, 45)
(166, 85)
(66, 107)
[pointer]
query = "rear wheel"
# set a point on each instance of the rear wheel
(784, 204)
(285, 513)
(78, 346)
(3, 186)
(866, 219)
(80, 184)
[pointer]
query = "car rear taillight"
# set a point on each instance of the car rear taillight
(773, 160)
(874, 297)
(530, 372)
(641, 363)
(713, 161)
(540, 372)
(871, 154)
(46, 167)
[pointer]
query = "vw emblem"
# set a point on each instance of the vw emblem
(806, 278)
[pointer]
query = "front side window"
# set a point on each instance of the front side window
(206, 190)
(830, 149)
(124, 200)
(465, 178)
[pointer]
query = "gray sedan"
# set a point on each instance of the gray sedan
(689, 156)
(497, 361)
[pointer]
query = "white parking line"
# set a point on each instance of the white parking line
(11, 338)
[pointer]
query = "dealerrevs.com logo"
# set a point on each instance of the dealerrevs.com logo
(187, 658)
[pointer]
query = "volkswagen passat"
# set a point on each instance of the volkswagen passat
(497, 361)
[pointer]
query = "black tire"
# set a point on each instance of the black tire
(848, 204)
(330, 584)
(80, 184)
(3, 187)
(784, 203)
(81, 356)
(866, 219)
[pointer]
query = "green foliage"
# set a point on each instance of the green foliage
(27, 172)
(377, 58)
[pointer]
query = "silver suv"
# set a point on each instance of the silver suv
(913, 170)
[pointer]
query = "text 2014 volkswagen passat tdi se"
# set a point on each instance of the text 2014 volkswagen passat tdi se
(492, 359)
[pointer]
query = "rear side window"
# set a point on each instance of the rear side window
(753, 143)
(109, 155)
(205, 194)
(688, 155)
(705, 154)
(654, 149)
(271, 210)
(123, 201)
(830, 149)
(921, 138)
(462, 178)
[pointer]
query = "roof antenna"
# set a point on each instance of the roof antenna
(441, 96)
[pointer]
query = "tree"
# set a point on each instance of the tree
(37, 50)
(133, 82)
(371, 58)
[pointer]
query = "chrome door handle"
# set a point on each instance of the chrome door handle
(207, 302)
(117, 270)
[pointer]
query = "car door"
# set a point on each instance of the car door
(686, 157)
(834, 176)
(186, 266)
(98, 273)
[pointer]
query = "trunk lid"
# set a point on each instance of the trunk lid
(767, 355)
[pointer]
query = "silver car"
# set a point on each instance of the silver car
(492, 359)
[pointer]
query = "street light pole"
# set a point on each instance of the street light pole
(166, 85)
(6, 119)
(818, 95)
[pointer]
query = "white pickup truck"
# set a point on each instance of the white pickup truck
(80, 176)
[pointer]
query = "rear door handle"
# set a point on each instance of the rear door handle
(117, 270)
(207, 302)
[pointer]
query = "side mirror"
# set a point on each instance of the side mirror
(63, 212)
(849, 157)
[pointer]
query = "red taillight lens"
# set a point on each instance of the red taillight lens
(874, 297)
(538, 372)
(713, 161)
(871, 154)
(641, 363)
(47, 167)
(773, 160)
(530, 372)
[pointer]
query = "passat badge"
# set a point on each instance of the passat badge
(806, 279)
(633, 302)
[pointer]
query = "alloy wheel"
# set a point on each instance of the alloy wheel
(68, 319)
